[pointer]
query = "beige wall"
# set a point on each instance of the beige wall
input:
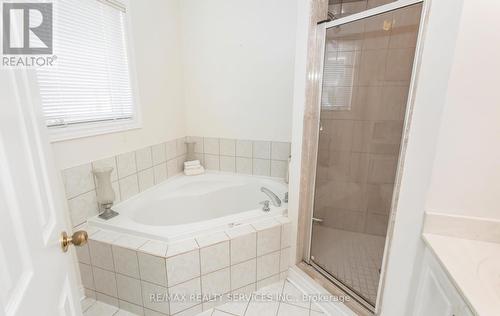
(156, 42)
(466, 173)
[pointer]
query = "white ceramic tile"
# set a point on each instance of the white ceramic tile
(198, 147)
(190, 289)
(271, 286)
(110, 300)
(148, 312)
(180, 164)
(152, 269)
(280, 151)
(181, 146)
(155, 297)
(286, 235)
(261, 167)
(183, 246)
(129, 289)
(172, 167)
(316, 313)
(105, 236)
(215, 302)
(211, 239)
(227, 147)
(129, 309)
(268, 240)
(283, 275)
(214, 257)
(82, 207)
(239, 301)
(259, 308)
(221, 313)
(116, 188)
(87, 276)
(227, 163)
(83, 254)
(291, 310)
(265, 224)
(243, 247)
(212, 162)
(101, 255)
(295, 296)
(244, 165)
(87, 302)
(156, 248)
(126, 261)
(171, 149)
(160, 172)
(262, 149)
(183, 267)
(278, 168)
(89, 293)
(129, 186)
(216, 283)
(146, 179)
(105, 281)
(244, 148)
(101, 309)
(240, 230)
(126, 164)
(144, 158)
(268, 265)
(193, 311)
(107, 163)
(200, 157)
(158, 154)
(211, 146)
(78, 180)
(243, 274)
(129, 241)
(285, 259)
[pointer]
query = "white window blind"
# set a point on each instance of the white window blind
(90, 82)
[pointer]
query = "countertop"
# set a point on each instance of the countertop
(474, 268)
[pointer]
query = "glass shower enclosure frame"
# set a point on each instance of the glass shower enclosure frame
(321, 50)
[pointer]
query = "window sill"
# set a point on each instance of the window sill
(59, 134)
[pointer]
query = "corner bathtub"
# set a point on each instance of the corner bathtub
(185, 206)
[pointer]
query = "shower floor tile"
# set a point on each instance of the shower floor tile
(354, 258)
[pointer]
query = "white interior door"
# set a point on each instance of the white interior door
(36, 276)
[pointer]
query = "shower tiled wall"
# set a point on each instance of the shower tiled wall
(141, 169)
(359, 142)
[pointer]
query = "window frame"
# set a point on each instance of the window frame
(69, 132)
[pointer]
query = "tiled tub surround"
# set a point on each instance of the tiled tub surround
(139, 170)
(125, 271)
(262, 158)
(133, 172)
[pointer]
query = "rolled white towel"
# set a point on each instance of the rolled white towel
(194, 172)
(192, 163)
(192, 167)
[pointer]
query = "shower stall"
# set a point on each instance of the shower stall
(368, 48)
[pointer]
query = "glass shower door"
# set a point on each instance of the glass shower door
(366, 77)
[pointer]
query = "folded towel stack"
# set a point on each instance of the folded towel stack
(193, 167)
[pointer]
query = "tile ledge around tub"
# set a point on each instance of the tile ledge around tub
(177, 247)
(473, 228)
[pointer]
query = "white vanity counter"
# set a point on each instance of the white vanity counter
(473, 266)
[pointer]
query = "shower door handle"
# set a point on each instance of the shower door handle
(317, 220)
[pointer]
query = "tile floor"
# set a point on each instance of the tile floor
(278, 299)
(354, 258)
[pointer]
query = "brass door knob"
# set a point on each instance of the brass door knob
(79, 238)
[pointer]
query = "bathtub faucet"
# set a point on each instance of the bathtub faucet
(274, 198)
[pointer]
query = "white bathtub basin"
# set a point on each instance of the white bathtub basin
(185, 206)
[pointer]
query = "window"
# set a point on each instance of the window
(89, 89)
